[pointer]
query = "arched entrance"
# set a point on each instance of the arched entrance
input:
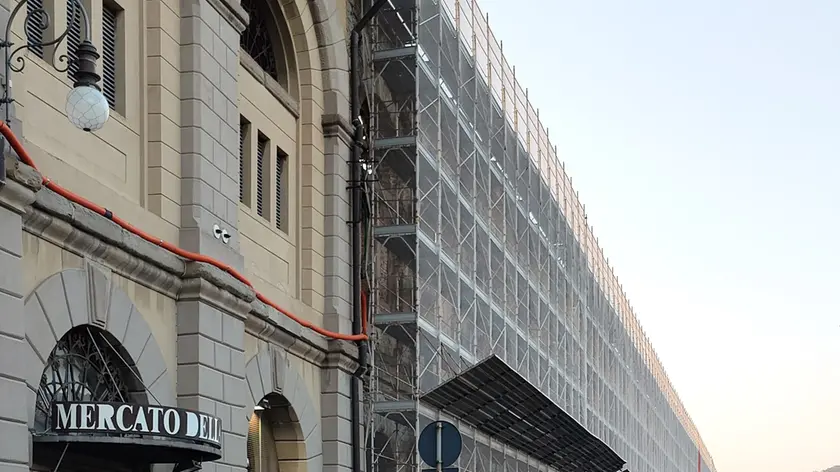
(284, 431)
(86, 365)
(99, 393)
(275, 439)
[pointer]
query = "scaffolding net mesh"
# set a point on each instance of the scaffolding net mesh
(481, 246)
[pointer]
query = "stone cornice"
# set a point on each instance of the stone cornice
(87, 234)
(337, 126)
(19, 190)
(232, 12)
(342, 355)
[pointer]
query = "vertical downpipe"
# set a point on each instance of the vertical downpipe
(356, 176)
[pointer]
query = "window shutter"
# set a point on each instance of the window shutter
(109, 55)
(262, 143)
(74, 37)
(280, 187)
(34, 33)
(243, 135)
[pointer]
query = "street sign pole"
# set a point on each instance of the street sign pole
(440, 446)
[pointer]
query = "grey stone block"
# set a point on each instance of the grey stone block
(234, 449)
(197, 166)
(201, 114)
(234, 391)
(221, 357)
(38, 330)
(10, 232)
(195, 58)
(337, 453)
(121, 311)
(35, 368)
(137, 335)
(10, 269)
(12, 350)
(161, 391)
(11, 307)
(75, 288)
(335, 428)
(15, 444)
(336, 468)
(13, 394)
(199, 403)
(10, 467)
(194, 30)
(196, 348)
(196, 140)
(335, 404)
(151, 365)
(194, 85)
(197, 317)
(197, 192)
(254, 383)
(197, 379)
(315, 463)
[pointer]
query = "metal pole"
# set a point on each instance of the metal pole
(356, 226)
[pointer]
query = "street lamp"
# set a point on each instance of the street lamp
(86, 106)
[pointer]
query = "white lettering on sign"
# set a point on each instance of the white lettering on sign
(136, 419)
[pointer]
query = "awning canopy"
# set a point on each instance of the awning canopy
(498, 401)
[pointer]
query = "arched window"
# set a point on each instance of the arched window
(85, 366)
(268, 41)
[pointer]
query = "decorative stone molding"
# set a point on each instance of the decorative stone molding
(231, 11)
(89, 235)
(337, 126)
(264, 78)
(21, 184)
(76, 297)
(342, 355)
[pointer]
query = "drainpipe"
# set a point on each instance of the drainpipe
(356, 176)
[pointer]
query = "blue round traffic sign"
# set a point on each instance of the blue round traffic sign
(448, 436)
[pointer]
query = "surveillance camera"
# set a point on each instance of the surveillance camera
(217, 232)
(225, 236)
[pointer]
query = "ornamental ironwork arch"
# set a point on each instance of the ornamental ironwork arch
(86, 365)
(268, 40)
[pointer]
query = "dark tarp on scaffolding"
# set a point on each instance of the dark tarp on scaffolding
(500, 402)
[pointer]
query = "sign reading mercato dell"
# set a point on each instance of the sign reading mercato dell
(128, 418)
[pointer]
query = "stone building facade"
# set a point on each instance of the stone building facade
(228, 137)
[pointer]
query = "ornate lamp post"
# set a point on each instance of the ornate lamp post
(86, 106)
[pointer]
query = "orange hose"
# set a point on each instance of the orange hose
(192, 256)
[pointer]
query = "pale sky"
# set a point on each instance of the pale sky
(704, 138)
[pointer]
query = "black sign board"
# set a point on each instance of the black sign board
(130, 418)
(440, 446)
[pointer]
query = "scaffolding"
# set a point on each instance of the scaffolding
(481, 246)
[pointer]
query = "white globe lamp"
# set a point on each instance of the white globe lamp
(86, 106)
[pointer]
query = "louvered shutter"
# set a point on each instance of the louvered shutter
(109, 55)
(262, 142)
(280, 196)
(243, 135)
(34, 33)
(74, 37)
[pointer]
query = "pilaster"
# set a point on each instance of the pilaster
(335, 410)
(15, 196)
(337, 265)
(209, 44)
(211, 360)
